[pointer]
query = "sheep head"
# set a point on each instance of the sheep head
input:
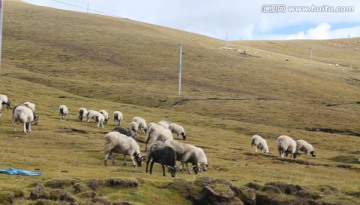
(138, 159)
(172, 171)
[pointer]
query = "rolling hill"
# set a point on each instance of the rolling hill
(53, 57)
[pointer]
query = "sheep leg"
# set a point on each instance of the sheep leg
(147, 165)
(25, 127)
(124, 159)
(151, 165)
(29, 127)
(187, 167)
(14, 126)
(106, 157)
(163, 168)
(133, 160)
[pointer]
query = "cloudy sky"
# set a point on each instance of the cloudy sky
(233, 19)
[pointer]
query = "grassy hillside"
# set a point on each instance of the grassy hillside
(54, 57)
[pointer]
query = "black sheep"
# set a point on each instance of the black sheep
(125, 131)
(162, 154)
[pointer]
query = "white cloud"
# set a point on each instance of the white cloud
(238, 19)
(324, 31)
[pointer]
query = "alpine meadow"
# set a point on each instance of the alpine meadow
(54, 57)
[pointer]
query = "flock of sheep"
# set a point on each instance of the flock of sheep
(163, 148)
(285, 145)
(160, 144)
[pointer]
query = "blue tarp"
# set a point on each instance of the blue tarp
(13, 171)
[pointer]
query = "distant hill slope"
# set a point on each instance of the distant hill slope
(137, 63)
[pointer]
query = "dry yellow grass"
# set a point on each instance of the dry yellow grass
(54, 57)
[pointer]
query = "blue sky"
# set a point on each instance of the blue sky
(233, 19)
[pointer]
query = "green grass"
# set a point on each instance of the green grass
(53, 57)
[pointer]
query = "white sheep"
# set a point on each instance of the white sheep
(90, 115)
(82, 113)
(106, 115)
(141, 122)
(203, 161)
(99, 119)
(118, 117)
(4, 100)
(157, 133)
(23, 114)
(185, 153)
(177, 129)
(63, 111)
(134, 127)
(31, 105)
(119, 143)
(163, 123)
(286, 145)
(302, 145)
(260, 143)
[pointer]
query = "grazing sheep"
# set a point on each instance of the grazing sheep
(134, 127)
(90, 115)
(32, 106)
(118, 117)
(99, 119)
(23, 114)
(165, 155)
(125, 131)
(106, 115)
(185, 153)
(177, 129)
(4, 100)
(302, 145)
(203, 161)
(82, 113)
(141, 122)
(260, 143)
(63, 111)
(163, 123)
(286, 145)
(157, 133)
(119, 143)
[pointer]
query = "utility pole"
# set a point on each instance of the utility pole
(180, 67)
(1, 22)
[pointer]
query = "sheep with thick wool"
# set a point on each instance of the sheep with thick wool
(116, 142)
(157, 133)
(106, 115)
(163, 154)
(163, 123)
(63, 111)
(99, 119)
(4, 100)
(23, 114)
(302, 145)
(118, 117)
(185, 153)
(82, 113)
(286, 145)
(260, 143)
(31, 105)
(178, 130)
(141, 122)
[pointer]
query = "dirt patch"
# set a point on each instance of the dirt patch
(333, 131)
(73, 130)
